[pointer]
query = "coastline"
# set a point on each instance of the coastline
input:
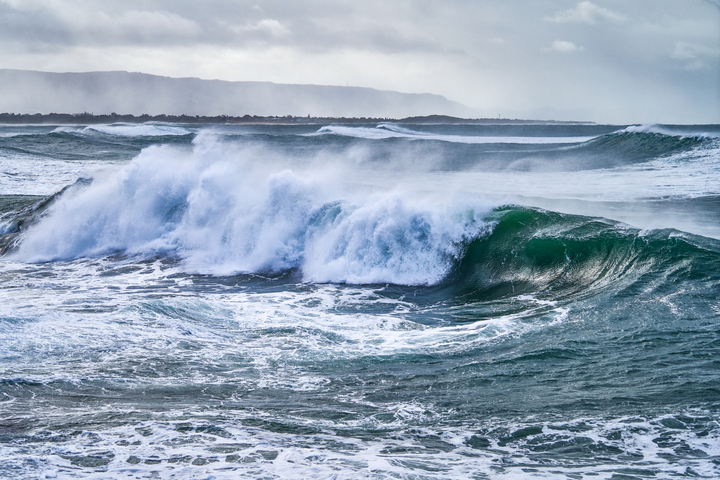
(86, 118)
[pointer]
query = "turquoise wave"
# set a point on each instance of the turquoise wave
(559, 255)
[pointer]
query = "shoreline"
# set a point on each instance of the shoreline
(92, 119)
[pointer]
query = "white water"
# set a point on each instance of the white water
(225, 208)
(220, 212)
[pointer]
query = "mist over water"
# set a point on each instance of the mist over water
(375, 301)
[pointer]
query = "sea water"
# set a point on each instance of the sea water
(359, 301)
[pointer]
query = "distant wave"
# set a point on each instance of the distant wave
(389, 130)
(631, 137)
(127, 130)
(677, 131)
(641, 143)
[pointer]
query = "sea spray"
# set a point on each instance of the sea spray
(221, 214)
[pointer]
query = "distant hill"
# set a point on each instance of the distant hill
(23, 91)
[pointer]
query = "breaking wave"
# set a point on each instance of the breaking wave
(220, 215)
(548, 253)
(218, 212)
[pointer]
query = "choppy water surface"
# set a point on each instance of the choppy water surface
(375, 301)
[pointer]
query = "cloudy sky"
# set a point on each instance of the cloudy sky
(605, 60)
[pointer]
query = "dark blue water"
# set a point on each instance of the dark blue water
(376, 301)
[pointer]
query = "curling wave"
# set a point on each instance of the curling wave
(549, 253)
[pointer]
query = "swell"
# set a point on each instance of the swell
(635, 145)
(520, 148)
(610, 150)
(527, 148)
(82, 143)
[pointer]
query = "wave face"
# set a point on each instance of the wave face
(359, 301)
(556, 256)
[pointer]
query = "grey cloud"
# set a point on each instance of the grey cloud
(586, 12)
(52, 25)
(322, 26)
(32, 28)
(564, 46)
(496, 55)
(695, 56)
(313, 25)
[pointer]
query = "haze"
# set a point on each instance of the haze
(602, 60)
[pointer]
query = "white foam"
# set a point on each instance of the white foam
(685, 132)
(53, 335)
(223, 214)
(180, 446)
(30, 175)
(42, 307)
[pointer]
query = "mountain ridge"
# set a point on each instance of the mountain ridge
(136, 93)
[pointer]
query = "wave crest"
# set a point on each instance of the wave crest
(221, 214)
(127, 130)
(389, 130)
(682, 132)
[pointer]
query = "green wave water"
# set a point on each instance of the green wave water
(560, 255)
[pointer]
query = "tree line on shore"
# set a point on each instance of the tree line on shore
(86, 118)
(90, 118)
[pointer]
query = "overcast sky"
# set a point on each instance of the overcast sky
(605, 60)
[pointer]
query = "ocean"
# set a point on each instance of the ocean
(378, 301)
